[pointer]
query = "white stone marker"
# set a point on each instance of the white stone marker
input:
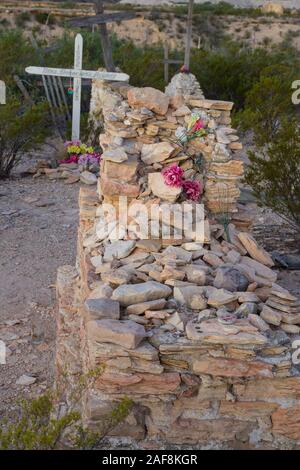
(77, 74)
(2, 92)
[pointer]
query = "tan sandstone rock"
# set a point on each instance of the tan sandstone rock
(125, 333)
(155, 153)
(130, 294)
(150, 98)
(256, 252)
(160, 189)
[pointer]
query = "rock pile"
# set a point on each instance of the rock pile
(145, 125)
(194, 329)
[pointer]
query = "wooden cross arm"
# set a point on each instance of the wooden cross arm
(71, 73)
(102, 19)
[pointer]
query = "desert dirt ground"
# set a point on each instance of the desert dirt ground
(38, 230)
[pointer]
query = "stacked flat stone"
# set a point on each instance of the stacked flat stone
(184, 85)
(150, 309)
(142, 124)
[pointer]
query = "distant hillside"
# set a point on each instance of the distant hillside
(239, 3)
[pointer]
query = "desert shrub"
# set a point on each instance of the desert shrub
(268, 103)
(274, 173)
(42, 425)
(230, 73)
(4, 22)
(22, 19)
(21, 128)
(45, 18)
(13, 60)
(266, 41)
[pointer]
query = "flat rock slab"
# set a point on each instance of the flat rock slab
(240, 333)
(139, 309)
(196, 274)
(256, 252)
(117, 155)
(219, 297)
(130, 294)
(284, 295)
(258, 322)
(230, 278)
(259, 268)
(191, 296)
(119, 249)
(149, 245)
(178, 253)
(102, 308)
(155, 153)
(232, 368)
(160, 189)
(26, 380)
(271, 316)
(149, 98)
(87, 177)
(125, 333)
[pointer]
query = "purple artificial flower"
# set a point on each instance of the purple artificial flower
(89, 158)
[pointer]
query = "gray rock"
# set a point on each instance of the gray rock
(87, 177)
(178, 253)
(258, 322)
(184, 84)
(119, 249)
(245, 309)
(278, 337)
(26, 380)
(102, 308)
(158, 152)
(196, 274)
(130, 294)
(126, 333)
(117, 155)
(192, 297)
(139, 309)
(231, 279)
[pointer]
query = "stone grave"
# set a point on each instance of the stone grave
(195, 330)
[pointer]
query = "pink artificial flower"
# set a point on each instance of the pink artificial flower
(198, 125)
(71, 159)
(173, 175)
(192, 189)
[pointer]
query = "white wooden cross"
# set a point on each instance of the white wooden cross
(77, 74)
(2, 92)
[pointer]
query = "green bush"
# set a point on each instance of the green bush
(268, 103)
(22, 19)
(230, 73)
(45, 18)
(13, 60)
(52, 421)
(274, 173)
(22, 127)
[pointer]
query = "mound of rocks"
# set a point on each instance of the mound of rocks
(192, 325)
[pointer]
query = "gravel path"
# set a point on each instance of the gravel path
(38, 229)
